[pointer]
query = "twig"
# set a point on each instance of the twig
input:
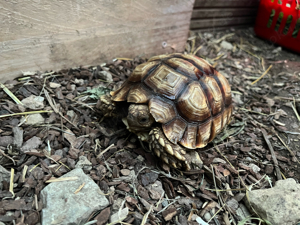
(278, 173)
(146, 215)
(194, 53)
(24, 113)
(105, 150)
(263, 114)
(217, 148)
(262, 75)
(286, 98)
(53, 106)
(10, 94)
(295, 111)
(2, 152)
(291, 152)
(229, 142)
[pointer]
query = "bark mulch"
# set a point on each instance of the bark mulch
(258, 147)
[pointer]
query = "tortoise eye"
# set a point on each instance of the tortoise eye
(144, 120)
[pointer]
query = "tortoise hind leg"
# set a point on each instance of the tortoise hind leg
(171, 154)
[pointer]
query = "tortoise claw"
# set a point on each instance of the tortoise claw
(107, 106)
(171, 154)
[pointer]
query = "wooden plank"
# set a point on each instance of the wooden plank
(227, 12)
(226, 3)
(223, 22)
(44, 35)
(215, 29)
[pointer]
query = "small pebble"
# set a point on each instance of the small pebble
(125, 172)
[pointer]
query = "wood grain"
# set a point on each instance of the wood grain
(224, 12)
(50, 35)
(221, 22)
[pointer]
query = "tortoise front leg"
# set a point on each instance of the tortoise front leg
(107, 106)
(172, 154)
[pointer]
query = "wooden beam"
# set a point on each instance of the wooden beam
(51, 35)
(227, 12)
(223, 22)
(226, 3)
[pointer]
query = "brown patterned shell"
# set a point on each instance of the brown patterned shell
(184, 93)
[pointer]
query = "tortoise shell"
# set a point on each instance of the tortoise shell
(185, 94)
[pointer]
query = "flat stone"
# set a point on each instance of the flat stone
(226, 45)
(119, 216)
(105, 75)
(156, 190)
(71, 113)
(4, 176)
(278, 205)
(54, 85)
(6, 140)
(149, 178)
(32, 143)
(63, 206)
(34, 119)
(117, 204)
(254, 167)
(125, 172)
(84, 163)
(33, 102)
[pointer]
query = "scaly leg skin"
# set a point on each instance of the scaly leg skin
(107, 106)
(171, 154)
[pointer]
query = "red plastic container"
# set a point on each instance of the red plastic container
(284, 31)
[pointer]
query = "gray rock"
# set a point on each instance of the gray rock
(54, 85)
(254, 167)
(6, 140)
(119, 216)
(116, 205)
(32, 143)
(156, 190)
(4, 176)
(277, 50)
(278, 205)
(79, 81)
(105, 75)
(59, 152)
(63, 206)
(73, 87)
(84, 163)
(71, 113)
(206, 216)
(226, 45)
(208, 35)
(34, 119)
(125, 172)
(33, 102)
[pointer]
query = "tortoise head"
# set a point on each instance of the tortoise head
(139, 117)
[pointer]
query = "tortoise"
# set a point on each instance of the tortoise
(177, 103)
